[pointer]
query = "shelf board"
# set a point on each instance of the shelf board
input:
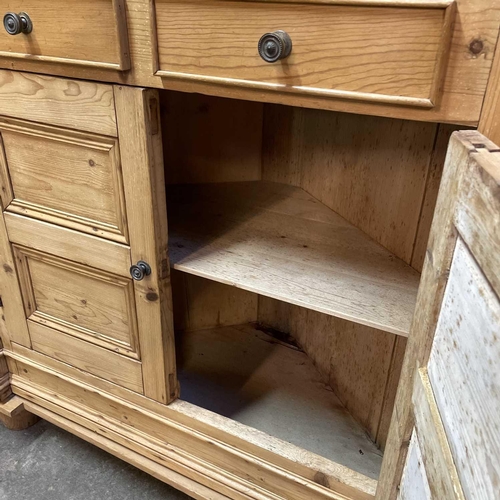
(245, 375)
(277, 240)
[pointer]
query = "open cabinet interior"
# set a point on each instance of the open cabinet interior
(296, 241)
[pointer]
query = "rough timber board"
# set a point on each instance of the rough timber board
(278, 241)
(244, 374)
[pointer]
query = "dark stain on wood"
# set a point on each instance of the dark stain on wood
(152, 296)
(476, 46)
(320, 478)
(7, 268)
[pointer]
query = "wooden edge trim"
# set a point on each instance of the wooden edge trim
(443, 52)
(308, 91)
(6, 191)
(122, 34)
(62, 60)
(347, 488)
(427, 4)
(439, 465)
(152, 468)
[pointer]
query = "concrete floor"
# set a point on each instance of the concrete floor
(47, 463)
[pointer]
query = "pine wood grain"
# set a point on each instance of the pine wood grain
(278, 241)
(68, 178)
(111, 366)
(79, 105)
(84, 39)
(144, 184)
(329, 56)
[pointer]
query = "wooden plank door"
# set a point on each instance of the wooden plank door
(82, 201)
(444, 441)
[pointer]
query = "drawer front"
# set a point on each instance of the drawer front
(70, 178)
(83, 32)
(380, 54)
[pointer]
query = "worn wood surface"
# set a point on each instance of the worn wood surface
(143, 178)
(329, 56)
(14, 416)
(209, 139)
(85, 106)
(83, 40)
(196, 437)
(463, 375)
(450, 287)
(67, 178)
(280, 242)
(465, 80)
(82, 301)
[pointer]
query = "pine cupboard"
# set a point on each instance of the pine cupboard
(250, 247)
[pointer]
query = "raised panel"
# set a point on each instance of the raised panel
(83, 32)
(69, 178)
(83, 302)
(463, 371)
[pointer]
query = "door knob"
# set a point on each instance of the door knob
(17, 23)
(275, 46)
(139, 270)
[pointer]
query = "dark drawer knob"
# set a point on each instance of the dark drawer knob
(140, 270)
(275, 46)
(17, 23)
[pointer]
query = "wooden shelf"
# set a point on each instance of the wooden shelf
(278, 241)
(245, 375)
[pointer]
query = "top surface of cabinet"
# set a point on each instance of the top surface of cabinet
(421, 60)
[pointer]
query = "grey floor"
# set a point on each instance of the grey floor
(47, 463)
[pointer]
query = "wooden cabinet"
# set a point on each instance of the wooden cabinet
(70, 217)
(241, 297)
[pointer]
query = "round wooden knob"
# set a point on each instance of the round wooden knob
(17, 23)
(275, 46)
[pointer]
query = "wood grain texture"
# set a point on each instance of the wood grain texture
(14, 416)
(278, 241)
(200, 445)
(352, 359)
(137, 458)
(463, 374)
(415, 485)
(433, 183)
(84, 106)
(142, 162)
(69, 244)
(436, 459)
(118, 369)
(329, 56)
(70, 179)
(14, 327)
(209, 139)
(199, 303)
(81, 301)
(239, 372)
(489, 122)
(465, 79)
(434, 279)
(83, 38)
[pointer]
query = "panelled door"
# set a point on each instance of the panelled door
(85, 275)
(447, 415)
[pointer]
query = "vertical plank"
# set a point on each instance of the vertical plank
(200, 303)
(489, 120)
(5, 390)
(16, 327)
(210, 139)
(434, 278)
(139, 136)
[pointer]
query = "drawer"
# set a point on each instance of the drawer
(82, 32)
(380, 53)
(66, 177)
